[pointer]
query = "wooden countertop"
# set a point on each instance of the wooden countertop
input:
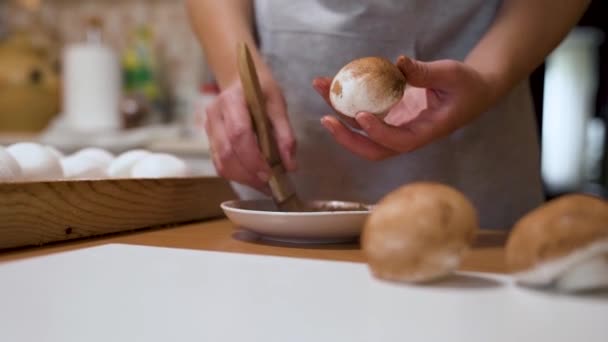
(221, 235)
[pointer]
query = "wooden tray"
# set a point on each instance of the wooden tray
(35, 213)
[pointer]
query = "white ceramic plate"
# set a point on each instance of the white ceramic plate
(261, 217)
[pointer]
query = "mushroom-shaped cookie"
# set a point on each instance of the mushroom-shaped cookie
(369, 84)
(418, 233)
(562, 244)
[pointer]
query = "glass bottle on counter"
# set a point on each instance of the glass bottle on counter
(143, 103)
(91, 82)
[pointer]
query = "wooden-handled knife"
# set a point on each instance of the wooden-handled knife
(283, 191)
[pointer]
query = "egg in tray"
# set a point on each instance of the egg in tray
(46, 196)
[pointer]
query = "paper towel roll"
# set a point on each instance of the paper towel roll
(91, 88)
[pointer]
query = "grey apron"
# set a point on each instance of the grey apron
(494, 161)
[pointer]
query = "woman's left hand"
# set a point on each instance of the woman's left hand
(440, 97)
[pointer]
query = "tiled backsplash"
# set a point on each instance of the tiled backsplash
(177, 49)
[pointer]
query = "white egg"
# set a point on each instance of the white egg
(160, 165)
(122, 165)
(100, 155)
(81, 166)
(10, 170)
(55, 151)
(36, 161)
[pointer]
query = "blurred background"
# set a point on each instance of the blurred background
(115, 74)
(124, 74)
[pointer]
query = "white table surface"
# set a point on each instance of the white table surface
(136, 293)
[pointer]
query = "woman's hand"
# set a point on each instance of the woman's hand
(234, 147)
(440, 97)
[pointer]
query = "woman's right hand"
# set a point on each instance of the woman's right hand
(234, 147)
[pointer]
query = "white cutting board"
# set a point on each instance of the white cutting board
(135, 293)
